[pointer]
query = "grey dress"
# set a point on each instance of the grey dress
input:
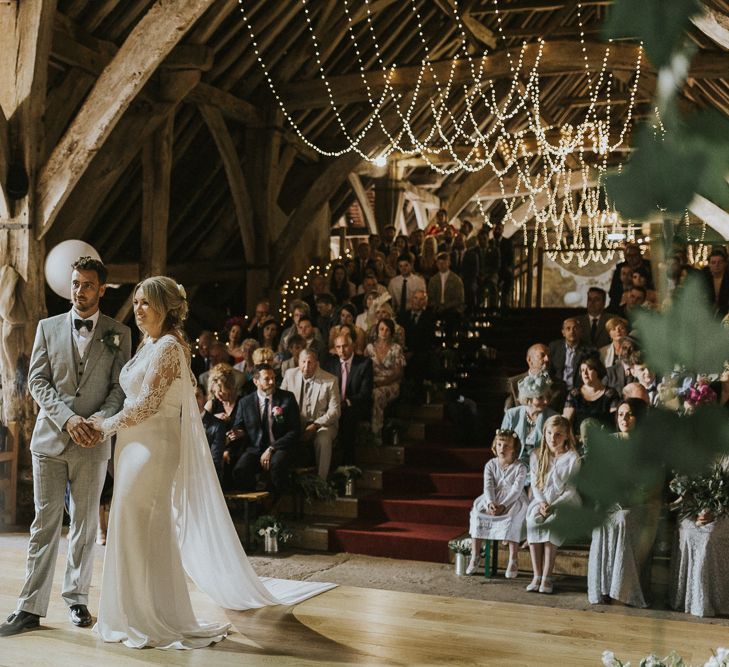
(699, 576)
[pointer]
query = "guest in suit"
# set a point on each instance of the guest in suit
(618, 375)
(263, 310)
(716, 279)
(402, 287)
(445, 290)
(317, 285)
(645, 376)
(506, 264)
(481, 272)
(268, 423)
(361, 263)
(216, 353)
(354, 375)
(527, 420)
(214, 431)
(297, 310)
(537, 358)
(592, 325)
(420, 342)
(311, 335)
(566, 353)
(73, 375)
(200, 361)
(325, 319)
(633, 260)
(458, 250)
(317, 394)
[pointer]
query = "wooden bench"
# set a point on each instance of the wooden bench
(246, 499)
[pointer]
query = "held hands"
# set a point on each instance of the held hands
(235, 434)
(544, 509)
(85, 432)
(495, 509)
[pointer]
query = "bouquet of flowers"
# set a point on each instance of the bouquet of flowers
(270, 525)
(699, 393)
(673, 659)
(462, 546)
(702, 495)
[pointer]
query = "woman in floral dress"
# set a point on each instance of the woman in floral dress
(388, 363)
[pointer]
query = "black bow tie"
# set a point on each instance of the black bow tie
(89, 324)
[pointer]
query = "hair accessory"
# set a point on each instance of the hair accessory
(506, 432)
(182, 291)
(532, 386)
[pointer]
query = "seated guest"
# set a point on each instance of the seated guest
(537, 359)
(200, 361)
(551, 468)
(402, 287)
(345, 317)
(592, 324)
(354, 375)
(339, 285)
(641, 278)
(419, 328)
(223, 394)
(388, 363)
(369, 284)
(296, 344)
(623, 274)
(458, 250)
(297, 309)
(635, 299)
(384, 311)
(317, 285)
(317, 394)
(645, 376)
(215, 432)
(234, 338)
(428, 266)
(445, 290)
(566, 353)
(636, 390)
(267, 421)
(527, 419)
(499, 513)
(618, 375)
(619, 567)
(216, 354)
(217, 351)
(361, 262)
(367, 319)
(263, 312)
(617, 328)
(310, 334)
(248, 346)
(592, 403)
(325, 318)
(269, 334)
(716, 280)
(698, 566)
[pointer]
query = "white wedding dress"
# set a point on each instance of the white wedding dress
(168, 517)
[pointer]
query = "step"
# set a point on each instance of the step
(428, 412)
(384, 455)
(342, 507)
(371, 478)
(427, 481)
(443, 510)
(447, 458)
(313, 533)
(393, 539)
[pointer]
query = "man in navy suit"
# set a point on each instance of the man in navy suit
(269, 421)
(354, 374)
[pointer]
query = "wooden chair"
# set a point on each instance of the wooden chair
(246, 499)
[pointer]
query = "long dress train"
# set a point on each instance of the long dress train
(168, 517)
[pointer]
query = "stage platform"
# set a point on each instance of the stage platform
(361, 626)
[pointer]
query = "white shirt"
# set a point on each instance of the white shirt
(415, 283)
(83, 337)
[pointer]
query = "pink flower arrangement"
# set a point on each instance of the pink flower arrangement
(699, 394)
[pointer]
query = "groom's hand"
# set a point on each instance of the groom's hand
(81, 432)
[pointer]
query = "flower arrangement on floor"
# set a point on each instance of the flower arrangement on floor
(271, 525)
(461, 546)
(702, 495)
(719, 659)
(312, 487)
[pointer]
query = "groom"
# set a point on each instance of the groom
(74, 374)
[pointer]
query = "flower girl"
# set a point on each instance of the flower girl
(498, 514)
(551, 467)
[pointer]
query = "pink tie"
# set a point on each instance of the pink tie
(345, 374)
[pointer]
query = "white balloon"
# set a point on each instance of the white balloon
(572, 299)
(58, 264)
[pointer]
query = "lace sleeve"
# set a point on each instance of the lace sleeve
(162, 371)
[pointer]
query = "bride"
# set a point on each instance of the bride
(168, 514)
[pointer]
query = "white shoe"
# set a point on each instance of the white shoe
(534, 586)
(512, 570)
(546, 586)
(473, 566)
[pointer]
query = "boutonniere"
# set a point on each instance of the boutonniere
(277, 414)
(112, 340)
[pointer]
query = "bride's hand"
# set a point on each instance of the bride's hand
(96, 422)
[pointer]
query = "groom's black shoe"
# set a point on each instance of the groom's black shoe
(79, 615)
(18, 622)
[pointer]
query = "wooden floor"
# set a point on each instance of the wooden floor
(363, 626)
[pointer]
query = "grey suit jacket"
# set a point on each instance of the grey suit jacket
(603, 337)
(60, 392)
(453, 293)
(325, 395)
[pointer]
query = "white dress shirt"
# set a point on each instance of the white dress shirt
(82, 338)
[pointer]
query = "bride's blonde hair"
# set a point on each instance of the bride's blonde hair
(170, 300)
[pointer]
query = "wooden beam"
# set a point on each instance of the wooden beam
(467, 190)
(4, 163)
(714, 25)
(236, 179)
(229, 105)
(371, 9)
(535, 6)
(156, 173)
(478, 31)
(149, 43)
(558, 58)
(714, 216)
(364, 203)
(189, 273)
(415, 193)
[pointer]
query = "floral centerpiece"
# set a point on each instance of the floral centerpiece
(344, 477)
(460, 548)
(718, 659)
(702, 496)
(270, 530)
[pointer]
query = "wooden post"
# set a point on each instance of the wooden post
(156, 169)
(540, 275)
(9, 481)
(529, 276)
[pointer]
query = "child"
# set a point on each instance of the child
(550, 468)
(499, 513)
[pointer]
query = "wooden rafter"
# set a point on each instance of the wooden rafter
(558, 58)
(148, 44)
(364, 203)
(4, 163)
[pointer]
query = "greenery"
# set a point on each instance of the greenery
(273, 525)
(462, 546)
(673, 659)
(313, 487)
(708, 492)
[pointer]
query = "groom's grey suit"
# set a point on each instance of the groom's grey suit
(64, 384)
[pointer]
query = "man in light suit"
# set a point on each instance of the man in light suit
(592, 325)
(445, 289)
(317, 394)
(73, 375)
